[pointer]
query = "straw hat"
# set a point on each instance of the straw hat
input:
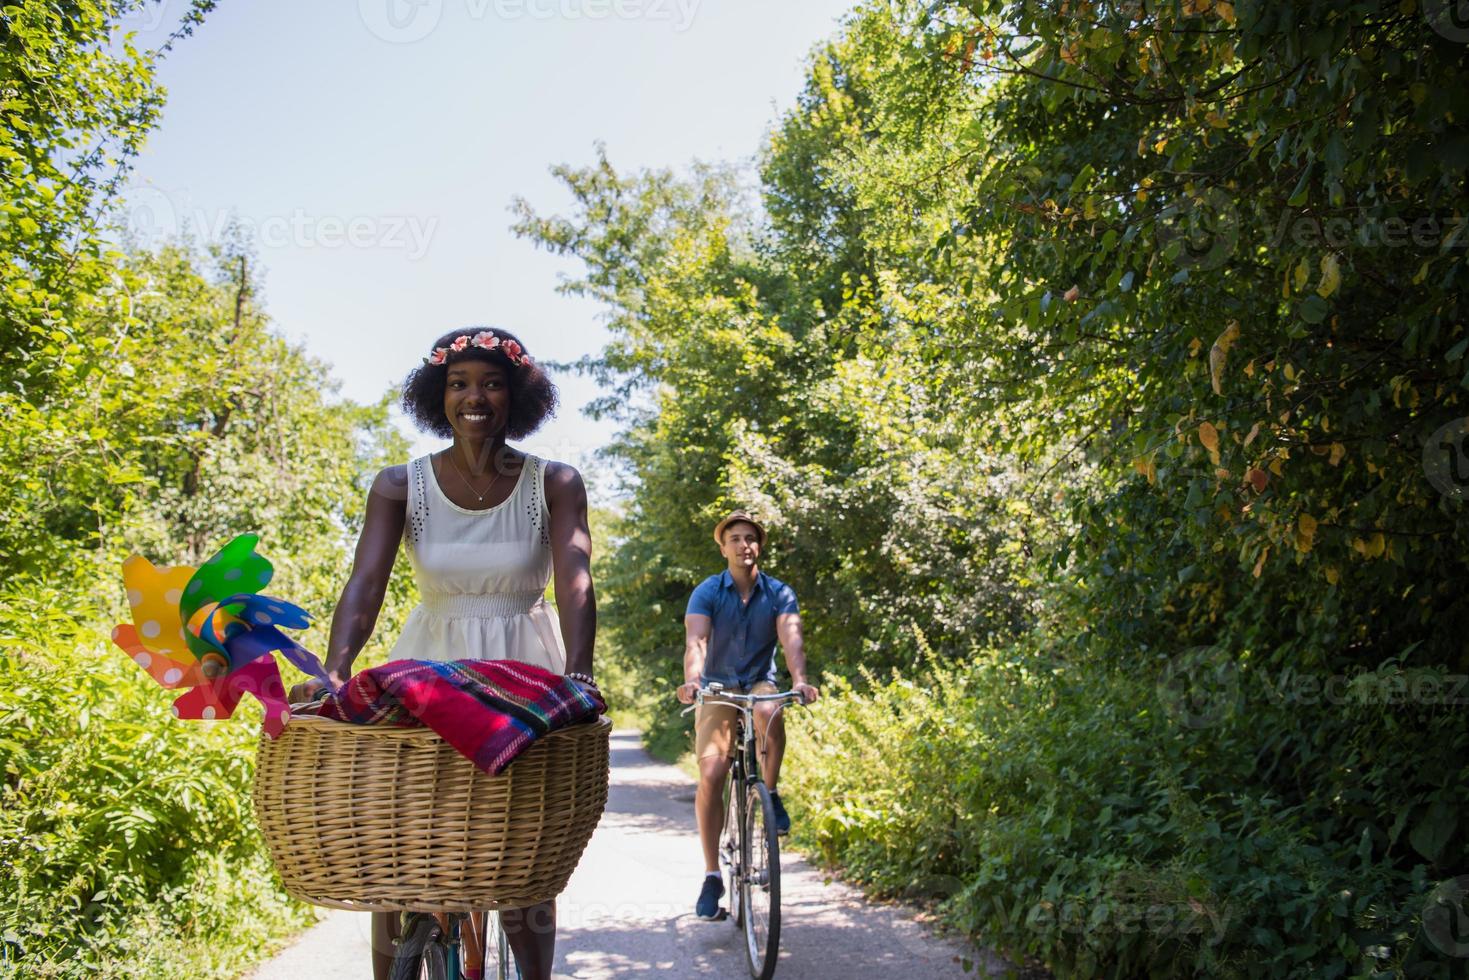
(738, 515)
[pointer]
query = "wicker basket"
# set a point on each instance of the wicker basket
(379, 818)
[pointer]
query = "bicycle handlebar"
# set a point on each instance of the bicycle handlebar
(716, 694)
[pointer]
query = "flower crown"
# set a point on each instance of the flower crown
(485, 340)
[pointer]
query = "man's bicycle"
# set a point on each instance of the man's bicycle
(431, 946)
(749, 849)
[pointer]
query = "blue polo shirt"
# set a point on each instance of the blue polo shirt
(742, 638)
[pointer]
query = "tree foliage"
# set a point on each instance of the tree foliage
(145, 405)
(1128, 338)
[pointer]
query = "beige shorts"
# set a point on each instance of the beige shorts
(714, 724)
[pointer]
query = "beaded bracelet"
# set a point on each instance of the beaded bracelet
(584, 678)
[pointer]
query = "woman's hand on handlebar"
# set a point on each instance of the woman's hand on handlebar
(310, 688)
(686, 692)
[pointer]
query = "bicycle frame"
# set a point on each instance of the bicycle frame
(498, 962)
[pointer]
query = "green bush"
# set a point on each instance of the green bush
(1088, 819)
(128, 846)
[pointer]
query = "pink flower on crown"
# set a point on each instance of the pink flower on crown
(513, 351)
(439, 356)
(460, 342)
(486, 339)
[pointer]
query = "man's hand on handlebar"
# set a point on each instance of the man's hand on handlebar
(687, 691)
(808, 693)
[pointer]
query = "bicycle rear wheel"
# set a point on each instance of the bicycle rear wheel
(729, 849)
(760, 884)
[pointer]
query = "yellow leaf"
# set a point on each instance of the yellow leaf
(1330, 276)
(1260, 562)
(1220, 351)
(1289, 372)
(1209, 436)
(1332, 575)
(1222, 473)
(1337, 452)
(1305, 533)
(1147, 467)
(1302, 273)
(1250, 369)
(1194, 346)
(1276, 467)
(1254, 431)
(1375, 545)
(1421, 274)
(1161, 145)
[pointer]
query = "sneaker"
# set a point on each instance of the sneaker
(709, 896)
(782, 819)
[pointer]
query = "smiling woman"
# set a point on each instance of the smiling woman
(532, 395)
(485, 527)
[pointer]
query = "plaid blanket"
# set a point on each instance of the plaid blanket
(489, 710)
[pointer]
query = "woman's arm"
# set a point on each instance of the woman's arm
(362, 597)
(571, 560)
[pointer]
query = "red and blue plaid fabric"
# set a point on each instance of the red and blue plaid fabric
(489, 710)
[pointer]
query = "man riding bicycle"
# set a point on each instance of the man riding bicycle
(731, 627)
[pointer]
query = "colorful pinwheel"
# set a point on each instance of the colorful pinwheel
(209, 630)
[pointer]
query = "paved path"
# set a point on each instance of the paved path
(628, 910)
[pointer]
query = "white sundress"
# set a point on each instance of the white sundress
(481, 575)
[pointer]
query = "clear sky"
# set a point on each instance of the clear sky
(374, 146)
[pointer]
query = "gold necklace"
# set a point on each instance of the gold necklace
(465, 480)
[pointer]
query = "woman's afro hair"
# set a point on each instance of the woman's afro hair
(532, 394)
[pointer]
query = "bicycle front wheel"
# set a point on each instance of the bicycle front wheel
(499, 963)
(729, 849)
(422, 953)
(760, 884)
